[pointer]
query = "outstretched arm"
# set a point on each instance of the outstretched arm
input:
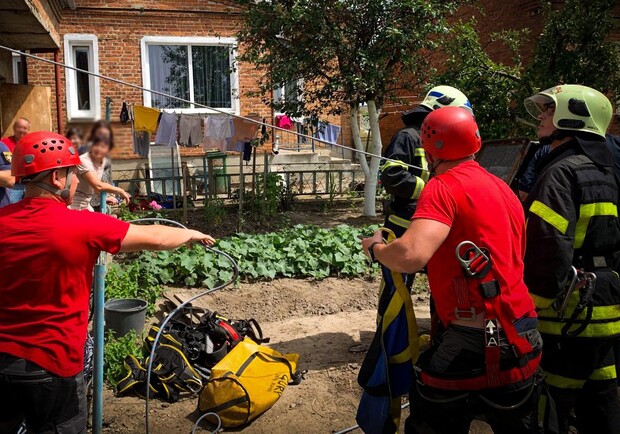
(159, 237)
(99, 186)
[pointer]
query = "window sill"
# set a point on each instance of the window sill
(201, 111)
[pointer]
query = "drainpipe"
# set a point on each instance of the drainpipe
(59, 119)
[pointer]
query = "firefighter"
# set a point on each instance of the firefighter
(404, 183)
(46, 262)
(572, 235)
(468, 229)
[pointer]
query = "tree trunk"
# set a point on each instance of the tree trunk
(370, 184)
(357, 140)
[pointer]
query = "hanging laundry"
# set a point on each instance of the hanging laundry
(218, 131)
(247, 151)
(245, 131)
(190, 133)
(145, 118)
(124, 114)
(167, 131)
(328, 132)
(283, 121)
(141, 143)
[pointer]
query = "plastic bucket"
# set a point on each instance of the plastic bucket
(124, 315)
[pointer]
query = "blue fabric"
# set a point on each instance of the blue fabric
(5, 164)
(528, 178)
(328, 132)
(372, 413)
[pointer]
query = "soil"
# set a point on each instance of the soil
(329, 323)
(223, 222)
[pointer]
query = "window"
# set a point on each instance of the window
(199, 70)
(18, 77)
(287, 93)
(83, 95)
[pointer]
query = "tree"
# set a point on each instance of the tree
(575, 48)
(346, 53)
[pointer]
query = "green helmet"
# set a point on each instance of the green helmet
(444, 96)
(577, 108)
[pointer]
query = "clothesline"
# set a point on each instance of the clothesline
(155, 92)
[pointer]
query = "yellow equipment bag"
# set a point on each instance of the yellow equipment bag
(247, 382)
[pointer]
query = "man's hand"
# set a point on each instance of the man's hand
(367, 242)
(199, 237)
(126, 197)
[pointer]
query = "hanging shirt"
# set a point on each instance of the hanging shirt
(141, 143)
(84, 192)
(167, 130)
(145, 118)
(44, 311)
(283, 121)
(190, 133)
(218, 132)
(328, 133)
(245, 131)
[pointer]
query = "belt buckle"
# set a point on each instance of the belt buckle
(465, 314)
(481, 259)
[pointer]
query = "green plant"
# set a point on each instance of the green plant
(114, 352)
(214, 211)
(301, 251)
(133, 280)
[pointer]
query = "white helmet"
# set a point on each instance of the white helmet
(444, 96)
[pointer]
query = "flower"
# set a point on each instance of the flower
(155, 206)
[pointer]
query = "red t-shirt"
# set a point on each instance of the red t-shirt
(482, 209)
(47, 256)
(10, 142)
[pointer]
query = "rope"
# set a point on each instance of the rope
(179, 308)
(216, 430)
(247, 119)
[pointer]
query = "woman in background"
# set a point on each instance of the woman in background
(76, 135)
(91, 172)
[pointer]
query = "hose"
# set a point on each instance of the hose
(216, 430)
(180, 307)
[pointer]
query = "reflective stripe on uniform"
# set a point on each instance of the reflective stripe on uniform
(542, 302)
(599, 313)
(562, 382)
(586, 212)
(419, 185)
(605, 373)
(399, 221)
(425, 175)
(390, 164)
(593, 329)
(549, 216)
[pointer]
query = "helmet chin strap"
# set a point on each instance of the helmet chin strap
(555, 135)
(64, 193)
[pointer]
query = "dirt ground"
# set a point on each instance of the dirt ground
(329, 323)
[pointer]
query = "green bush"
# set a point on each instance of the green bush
(114, 353)
(132, 280)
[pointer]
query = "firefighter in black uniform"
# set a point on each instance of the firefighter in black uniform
(573, 235)
(405, 183)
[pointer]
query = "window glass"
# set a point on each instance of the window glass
(211, 70)
(82, 79)
(168, 69)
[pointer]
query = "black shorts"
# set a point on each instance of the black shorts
(48, 403)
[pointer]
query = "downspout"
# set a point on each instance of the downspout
(59, 119)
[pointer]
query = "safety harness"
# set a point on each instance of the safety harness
(185, 354)
(477, 264)
(585, 283)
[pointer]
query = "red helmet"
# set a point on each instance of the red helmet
(41, 151)
(450, 133)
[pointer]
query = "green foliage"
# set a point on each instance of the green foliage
(575, 48)
(114, 353)
(302, 251)
(346, 52)
(490, 86)
(270, 197)
(215, 211)
(133, 280)
(125, 213)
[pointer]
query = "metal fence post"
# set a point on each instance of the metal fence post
(98, 327)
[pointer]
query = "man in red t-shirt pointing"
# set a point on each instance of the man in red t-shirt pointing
(468, 229)
(46, 262)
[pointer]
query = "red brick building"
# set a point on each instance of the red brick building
(181, 48)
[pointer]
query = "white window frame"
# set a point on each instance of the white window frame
(17, 75)
(282, 89)
(73, 112)
(189, 41)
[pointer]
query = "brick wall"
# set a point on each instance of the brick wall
(120, 26)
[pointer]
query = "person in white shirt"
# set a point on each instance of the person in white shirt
(90, 172)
